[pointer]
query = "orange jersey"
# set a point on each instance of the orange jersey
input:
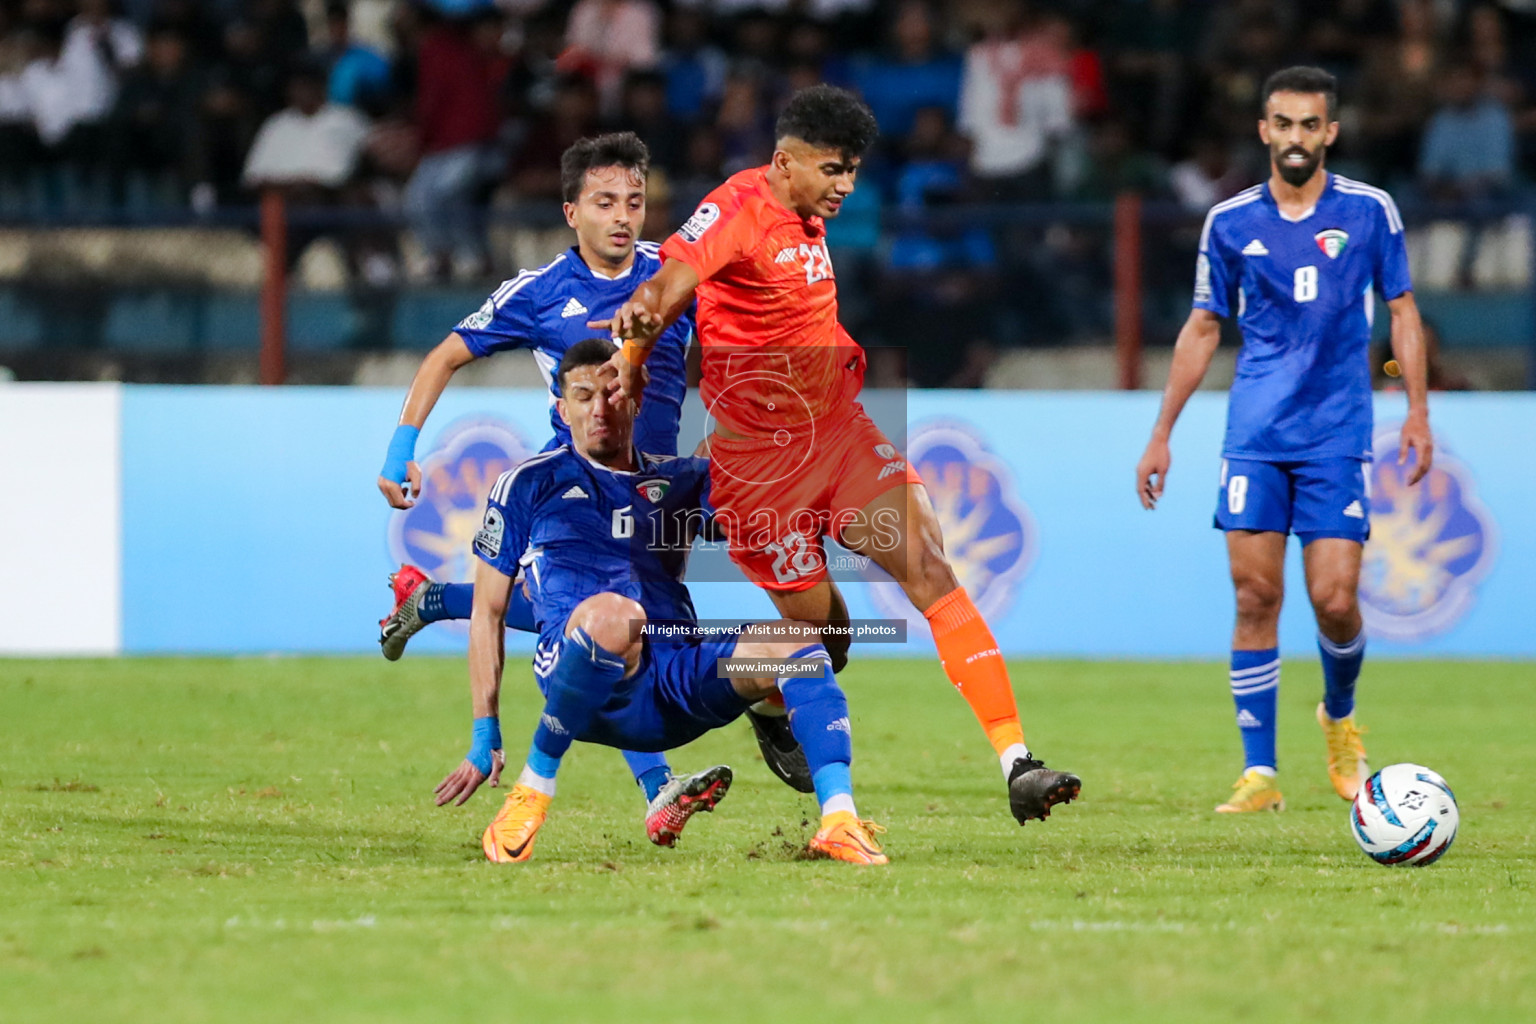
(774, 354)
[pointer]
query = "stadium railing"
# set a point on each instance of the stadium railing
(176, 283)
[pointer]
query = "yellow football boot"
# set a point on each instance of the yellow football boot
(845, 837)
(1255, 791)
(509, 837)
(1347, 769)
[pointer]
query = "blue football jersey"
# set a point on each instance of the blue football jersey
(1302, 294)
(547, 310)
(574, 528)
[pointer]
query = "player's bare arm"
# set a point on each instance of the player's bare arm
(487, 656)
(1408, 350)
(432, 376)
(637, 324)
(1192, 353)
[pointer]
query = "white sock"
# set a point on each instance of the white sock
(1264, 769)
(527, 777)
(840, 802)
(1012, 754)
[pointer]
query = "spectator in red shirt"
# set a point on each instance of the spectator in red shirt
(459, 70)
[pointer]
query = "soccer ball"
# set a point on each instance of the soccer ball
(1404, 814)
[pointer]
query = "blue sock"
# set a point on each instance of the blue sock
(581, 682)
(446, 601)
(832, 780)
(457, 601)
(651, 771)
(818, 717)
(431, 606)
(1341, 667)
(1255, 689)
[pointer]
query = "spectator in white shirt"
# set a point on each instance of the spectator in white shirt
(309, 147)
(606, 39)
(311, 152)
(1015, 106)
(68, 97)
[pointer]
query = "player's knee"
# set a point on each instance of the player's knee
(1258, 598)
(1334, 603)
(613, 621)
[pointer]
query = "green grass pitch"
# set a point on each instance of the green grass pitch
(254, 840)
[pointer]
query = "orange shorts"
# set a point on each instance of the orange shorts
(776, 498)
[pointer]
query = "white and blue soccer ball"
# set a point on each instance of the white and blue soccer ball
(1404, 814)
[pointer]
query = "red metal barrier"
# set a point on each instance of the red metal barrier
(274, 287)
(1128, 289)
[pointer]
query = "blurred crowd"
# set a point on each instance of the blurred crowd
(434, 108)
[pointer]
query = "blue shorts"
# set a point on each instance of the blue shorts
(1320, 498)
(672, 699)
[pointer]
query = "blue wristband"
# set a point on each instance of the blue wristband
(486, 738)
(402, 449)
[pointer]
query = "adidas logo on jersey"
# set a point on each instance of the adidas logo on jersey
(896, 466)
(575, 492)
(841, 725)
(1247, 720)
(787, 255)
(1354, 511)
(572, 308)
(1255, 248)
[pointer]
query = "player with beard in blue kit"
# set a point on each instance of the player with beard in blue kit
(1296, 260)
(600, 534)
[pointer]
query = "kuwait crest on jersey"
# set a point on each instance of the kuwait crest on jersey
(1431, 545)
(653, 490)
(1332, 242)
(989, 534)
(456, 476)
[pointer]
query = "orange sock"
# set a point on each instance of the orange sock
(974, 664)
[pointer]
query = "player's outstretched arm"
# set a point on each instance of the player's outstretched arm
(636, 325)
(1192, 353)
(1408, 350)
(487, 656)
(400, 479)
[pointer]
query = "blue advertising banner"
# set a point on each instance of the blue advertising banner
(251, 523)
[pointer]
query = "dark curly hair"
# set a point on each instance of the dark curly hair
(587, 352)
(617, 149)
(1304, 80)
(829, 118)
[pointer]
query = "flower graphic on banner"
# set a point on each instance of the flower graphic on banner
(456, 476)
(989, 534)
(1431, 545)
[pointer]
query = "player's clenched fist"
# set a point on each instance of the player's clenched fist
(400, 479)
(402, 494)
(1152, 472)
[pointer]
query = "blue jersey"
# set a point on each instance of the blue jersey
(1302, 294)
(547, 310)
(575, 528)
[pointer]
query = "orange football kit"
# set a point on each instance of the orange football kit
(782, 374)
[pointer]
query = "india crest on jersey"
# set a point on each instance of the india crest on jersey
(1332, 242)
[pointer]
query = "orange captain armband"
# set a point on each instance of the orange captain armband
(635, 352)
